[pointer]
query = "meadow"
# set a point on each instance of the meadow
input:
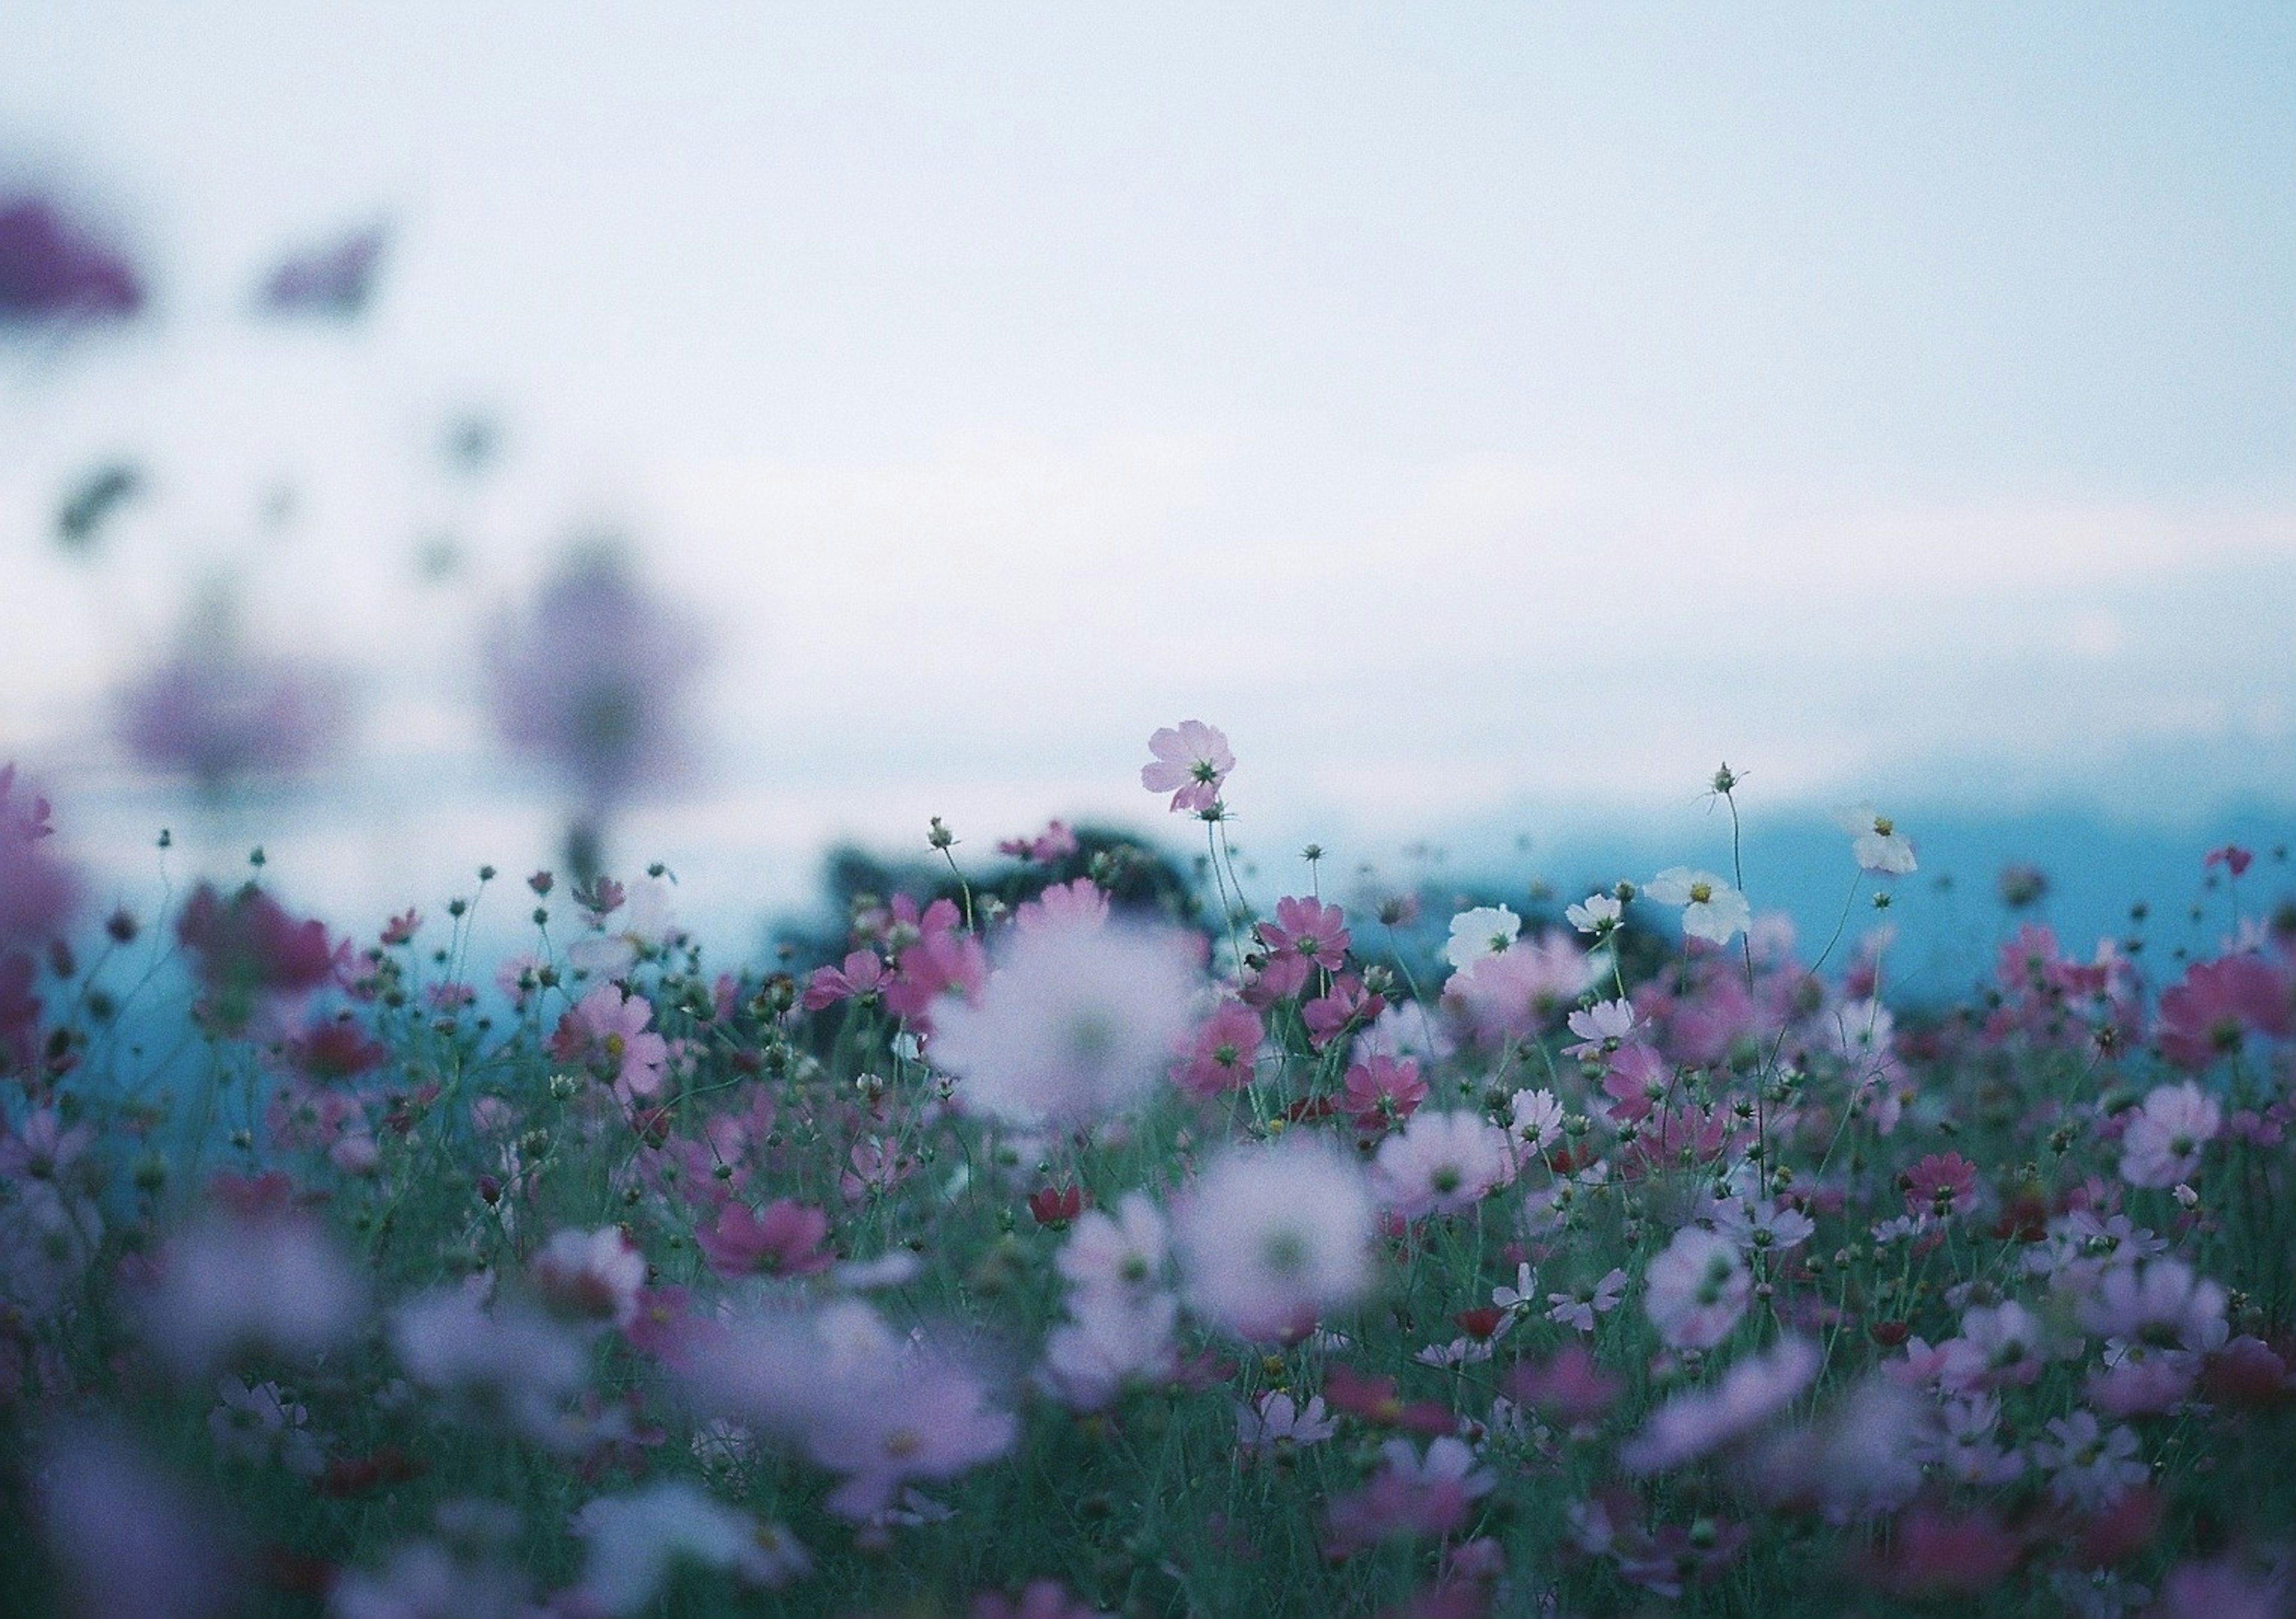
(1088, 1230)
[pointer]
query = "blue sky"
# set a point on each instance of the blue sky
(1481, 409)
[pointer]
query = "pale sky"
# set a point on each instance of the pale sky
(1477, 409)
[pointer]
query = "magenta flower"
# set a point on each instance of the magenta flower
(333, 283)
(1939, 1183)
(2219, 1004)
(782, 1239)
(1382, 1092)
(1192, 761)
(247, 948)
(1219, 1057)
(862, 976)
(52, 268)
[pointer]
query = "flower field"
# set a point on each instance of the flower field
(1090, 1232)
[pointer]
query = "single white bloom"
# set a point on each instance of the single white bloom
(1711, 909)
(1876, 843)
(1597, 915)
(1484, 931)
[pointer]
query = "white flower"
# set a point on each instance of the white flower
(1484, 931)
(636, 1539)
(1597, 915)
(1876, 843)
(1440, 1163)
(1712, 910)
(1269, 1238)
(1700, 1419)
(1121, 1255)
(1075, 1023)
(1522, 1298)
(1580, 1307)
(1538, 1117)
(2089, 1469)
(1275, 1421)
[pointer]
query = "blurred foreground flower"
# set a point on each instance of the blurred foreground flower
(52, 269)
(593, 681)
(335, 281)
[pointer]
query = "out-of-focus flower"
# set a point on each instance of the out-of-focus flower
(1696, 1421)
(265, 1280)
(876, 1407)
(1039, 1600)
(2089, 1467)
(1192, 761)
(2209, 1014)
(1523, 987)
(590, 1275)
(2161, 1143)
(1074, 1023)
(593, 680)
(221, 715)
(1697, 1288)
(334, 282)
(248, 949)
(467, 1571)
(510, 1361)
(635, 1540)
(1271, 1238)
(53, 268)
(129, 1543)
(1381, 1092)
(1711, 909)
(1219, 1058)
(782, 1239)
(1275, 1421)
(1440, 1163)
(36, 889)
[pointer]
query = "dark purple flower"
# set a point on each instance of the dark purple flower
(51, 268)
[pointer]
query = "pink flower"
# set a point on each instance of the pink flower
(1219, 1057)
(1190, 763)
(249, 947)
(1412, 1494)
(861, 976)
(1042, 1599)
(784, 1240)
(36, 890)
(591, 1275)
(1698, 1420)
(1306, 934)
(2232, 857)
(1082, 903)
(2161, 1143)
(1381, 1092)
(1939, 1183)
(1440, 1164)
(2209, 1014)
(606, 1032)
(1055, 842)
(1523, 988)
(1346, 1005)
(1697, 1288)
(268, 1280)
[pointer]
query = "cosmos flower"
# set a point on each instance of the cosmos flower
(1191, 762)
(1697, 1288)
(1075, 1023)
(1711, 909)
(1876, 844)
(54, 268)
(1484, 931)
(1272, 1237)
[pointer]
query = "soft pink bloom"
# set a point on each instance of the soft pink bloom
(606, 1033)
(1191, 762)
(247, 948)
(2159, 1302)
(1111, 1340)
(1381, 1092)
(2089, 1467)
(1695, 1421)
(1411, 1495)
(1306, 934)
(1055, 842)
(591, 1275)
(1441, 1163)
(509, 1362)
(1697, 1288)
(36, 890)
(1523, 988)
(1270, 1238)
(860, 975)
(1347, 1005)
(1080, 903)
(1076, 1022)
(2217, 1005)
(1040, 1599)
(128, 1542)
(1942, 1182)
(232, 1284)
(1123, 1254)
(2161, 1144)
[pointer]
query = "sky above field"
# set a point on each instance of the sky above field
(1471, 407)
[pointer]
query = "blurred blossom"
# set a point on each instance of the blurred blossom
(221, 715)
(593, 681)
(129, 1543)
(35, 888)
(53, 268)
(1081, 1018)
(1271, 1238)
(335, 281)
(248, 951)
(259, 1279)
(637, 1540)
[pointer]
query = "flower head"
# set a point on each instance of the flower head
(1270, 1238)
(1192, 761)
(1711, 909)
